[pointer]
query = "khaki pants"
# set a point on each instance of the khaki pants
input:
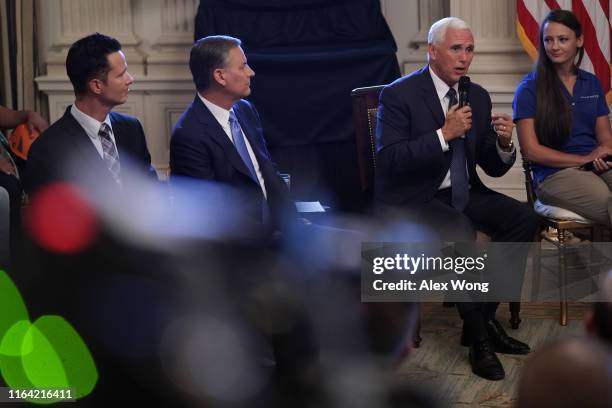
(582, 192)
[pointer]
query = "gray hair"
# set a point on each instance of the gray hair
(208, 54)
(437, 32)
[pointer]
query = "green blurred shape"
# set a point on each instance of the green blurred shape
(46, 354)
(43, 365)
(13, 344)
(11, 366)
(36, 350)
(59, 358)
(12, 307)
(13, 373)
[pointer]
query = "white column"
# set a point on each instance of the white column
(499, 60)
(167, 27)
(78, 18)
(429, 11)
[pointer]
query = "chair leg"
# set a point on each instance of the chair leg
(537, 265)
(416, 339)
(515, 310)
(563, 278)
(563, 316)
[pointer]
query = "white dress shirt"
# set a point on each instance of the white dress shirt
(92, 127)
(222, 116)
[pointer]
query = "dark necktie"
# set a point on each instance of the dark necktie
(240, 144)
(109, 152)
(458, 174)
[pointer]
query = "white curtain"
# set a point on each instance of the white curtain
(6, 90)
(19, 64)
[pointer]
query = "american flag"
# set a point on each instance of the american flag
(594, 15)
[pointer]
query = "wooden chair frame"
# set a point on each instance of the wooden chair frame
(561, 242)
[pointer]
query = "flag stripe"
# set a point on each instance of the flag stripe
(528, 23)
(600, 64)
(605, 6)
(524, 39)
(602, 27)
(552, 4)
(602, 19)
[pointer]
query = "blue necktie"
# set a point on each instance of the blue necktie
(240, 144)
(458, 174)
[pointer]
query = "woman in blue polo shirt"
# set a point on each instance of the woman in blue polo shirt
(562, 123)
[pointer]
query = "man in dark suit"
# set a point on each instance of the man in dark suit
(428, 149)
(89, 137)
(219, 137)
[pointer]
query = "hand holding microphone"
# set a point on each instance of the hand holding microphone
(459, 117)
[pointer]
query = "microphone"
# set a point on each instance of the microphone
(464, 90)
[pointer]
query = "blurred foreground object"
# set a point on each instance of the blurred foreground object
(21, 139)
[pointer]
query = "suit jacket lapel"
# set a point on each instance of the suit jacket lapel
(430, 95)
(82, 142)
(121, 135)
(470, 141)
(84, 147)
(217, 133)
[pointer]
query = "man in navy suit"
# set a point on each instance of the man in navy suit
(428, 149)
(89, 137)
(219, 137)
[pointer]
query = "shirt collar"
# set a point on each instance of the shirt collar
(441, 86)
(221, 114)
(91, 125)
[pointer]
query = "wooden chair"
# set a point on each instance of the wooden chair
(562, 221)
(365, 108)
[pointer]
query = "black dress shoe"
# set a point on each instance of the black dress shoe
(503, 343)
(484, 362)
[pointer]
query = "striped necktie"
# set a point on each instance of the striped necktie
(109, 152)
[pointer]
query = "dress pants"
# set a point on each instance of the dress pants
(582, 192)
(504, 219)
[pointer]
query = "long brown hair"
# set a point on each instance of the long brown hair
(553, 118)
